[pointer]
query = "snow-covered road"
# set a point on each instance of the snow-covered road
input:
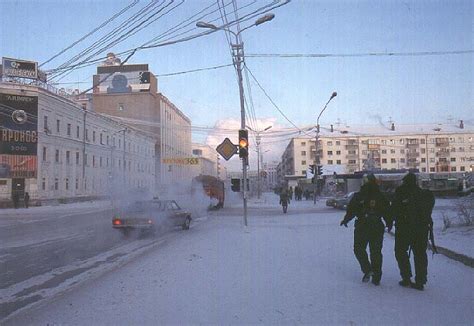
(294, 268)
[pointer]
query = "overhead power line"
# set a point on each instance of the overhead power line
(347, 55)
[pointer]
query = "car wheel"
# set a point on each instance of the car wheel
(186, 224)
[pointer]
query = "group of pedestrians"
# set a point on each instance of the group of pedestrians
(410, 211)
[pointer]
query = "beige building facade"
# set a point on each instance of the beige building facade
(436, 148)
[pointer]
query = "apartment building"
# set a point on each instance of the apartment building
(54, 149)
(431, 148)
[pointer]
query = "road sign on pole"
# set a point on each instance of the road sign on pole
(227, 149)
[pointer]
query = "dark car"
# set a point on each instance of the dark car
(331, 202)
(151, 215)
(341, 203)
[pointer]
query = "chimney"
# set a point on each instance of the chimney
(332, 127)
(392, 127)
(461, 124)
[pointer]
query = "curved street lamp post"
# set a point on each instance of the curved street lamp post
(316, 145)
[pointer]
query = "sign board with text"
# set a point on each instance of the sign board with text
(181, 161)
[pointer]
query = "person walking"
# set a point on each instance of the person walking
(27, 199)
(369, 205)
(412, 208)
(284, 200)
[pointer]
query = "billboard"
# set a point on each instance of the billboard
(18, 166)
(18, 124)
(124, 82)
(19, 68)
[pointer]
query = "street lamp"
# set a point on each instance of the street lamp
(316, 156)
(259, 153)
(238, 58)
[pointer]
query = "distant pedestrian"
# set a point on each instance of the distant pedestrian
(284, 200)
(16, 199)
(27, 199)
(290, 193)
(412, 208)
(369, 205)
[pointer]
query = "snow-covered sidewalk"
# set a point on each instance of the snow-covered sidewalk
(291, 269)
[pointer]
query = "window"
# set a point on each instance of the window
(453, 169)
(303, 172)
(402, 141)
(329, 143)
(402, 160)
(58, 126)
(461, 149)
(67, 184)
(423, 160)
(100, 161)
(120, 143)
(352, 152)
(69, 129)
(121, 107)
(453, 159)
(329, 152)
(364, 152)
(384, 151)
(423, 169)
(392, 151)
(338, 152)
(392, 160)
(303, 162)
(462, 169)
(85, 159)
(93, 136)
(77, 158)
(384, 160)
(432, 169)
(43, 184)
(77, 183)
(423, 151)
(422, 141)
(338, 162)
(56, 184)
(352, 161)
(77, 132)
(87, 134)
(330, 162)
(107, 139)
(56, 156)
(93, 161)
(303, 153)
(402, 151)
(68, 157)
(45, 123)
(432, 160)
(107, 161)
(303, 143)
(101, 139)
(44, 153)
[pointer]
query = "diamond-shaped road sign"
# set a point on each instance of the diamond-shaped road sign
(227, 149)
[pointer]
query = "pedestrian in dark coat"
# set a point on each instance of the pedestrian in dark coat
(27, 199)
(284, 200)
(412, 209)
(369, 205)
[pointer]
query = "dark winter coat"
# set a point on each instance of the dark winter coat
(368, 205)
(412, 206)
(284, 199)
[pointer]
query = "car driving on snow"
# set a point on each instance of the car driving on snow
(148, 216)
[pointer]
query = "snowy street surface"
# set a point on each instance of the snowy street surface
(290, 269)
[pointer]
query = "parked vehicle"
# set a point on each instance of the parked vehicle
(331, 202)
(148, 216)
(341, 203)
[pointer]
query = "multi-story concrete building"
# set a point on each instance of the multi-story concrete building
(207, 160)
(431, 148)
(271, 170)
(130, 93)
(54, 149)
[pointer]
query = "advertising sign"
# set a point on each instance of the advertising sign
(19, 68)
(18, 166)
(181, 161)
(124, 82)
(18, 124)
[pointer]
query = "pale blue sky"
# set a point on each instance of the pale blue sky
(409, 89)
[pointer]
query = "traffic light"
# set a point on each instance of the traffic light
(311, 168)
(319, 170)
(243, 143)
(235, 185)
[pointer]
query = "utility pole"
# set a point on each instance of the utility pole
(238, 59)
